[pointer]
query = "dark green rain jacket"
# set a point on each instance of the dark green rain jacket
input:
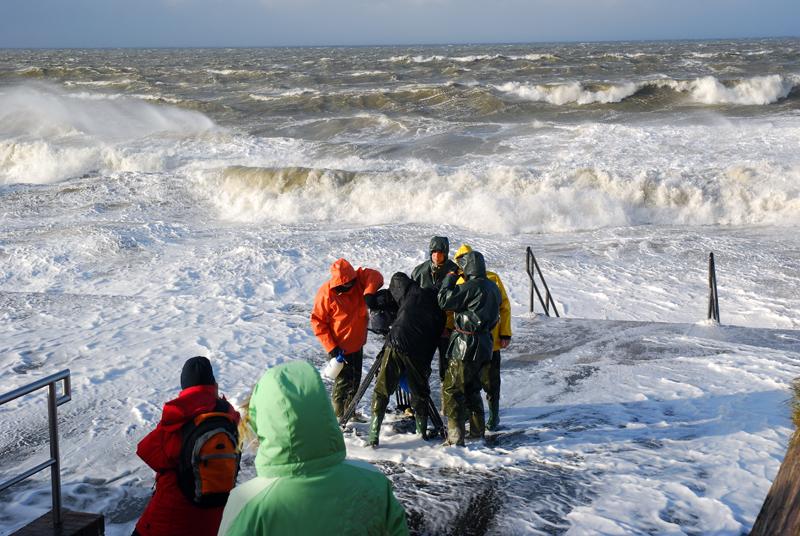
(430, 276)
(476, 304)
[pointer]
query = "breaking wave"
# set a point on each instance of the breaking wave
(504, 199)
(755, 91)
(759, 90)
(47, 135)
(469, 59)
(573, 92)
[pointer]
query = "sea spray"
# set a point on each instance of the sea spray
(48, 135)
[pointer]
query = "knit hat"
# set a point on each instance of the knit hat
(197, 371)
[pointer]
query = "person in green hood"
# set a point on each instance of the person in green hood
(476, 308)
(304, 484)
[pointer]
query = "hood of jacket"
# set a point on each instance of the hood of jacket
(399, 286)
(293, 419)
(460, 252)
(439, 243)
(473, 265)
(341, 272)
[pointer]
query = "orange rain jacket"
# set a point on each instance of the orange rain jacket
(341, 319)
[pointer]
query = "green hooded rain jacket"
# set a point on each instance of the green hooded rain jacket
(304, 484)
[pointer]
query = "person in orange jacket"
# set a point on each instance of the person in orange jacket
(339, 320)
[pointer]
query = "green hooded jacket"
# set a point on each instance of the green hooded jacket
(476, 304)
(304, 484)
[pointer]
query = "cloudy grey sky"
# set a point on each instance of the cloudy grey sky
(151, 23)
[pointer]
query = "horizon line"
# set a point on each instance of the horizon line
(406, 45)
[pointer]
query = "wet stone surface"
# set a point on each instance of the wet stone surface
(524, 498)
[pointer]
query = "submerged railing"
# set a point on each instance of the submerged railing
(713, 297)
(53, 401)
(532, 267)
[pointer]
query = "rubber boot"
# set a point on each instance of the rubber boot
(493, 422)
(378, 411)
(477, 426)
(422, 424)
(374, 430)
(455, 433)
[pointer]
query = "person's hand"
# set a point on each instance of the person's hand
(504, 342)
(335, 352)
(449, 281)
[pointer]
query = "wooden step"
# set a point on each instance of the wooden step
(73, 524)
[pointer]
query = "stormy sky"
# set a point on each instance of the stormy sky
(176, 23)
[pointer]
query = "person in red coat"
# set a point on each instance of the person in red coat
(169, 512)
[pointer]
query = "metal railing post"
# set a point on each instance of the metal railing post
(54, 463)
(532, 267)
(55, 469)
(713, 296)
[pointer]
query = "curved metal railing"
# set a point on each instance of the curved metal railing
(53, 401)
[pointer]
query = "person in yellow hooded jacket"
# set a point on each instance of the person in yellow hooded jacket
(501, 335)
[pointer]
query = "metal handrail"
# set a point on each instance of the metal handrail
(53, 401)
(713, 296)
(532, 267)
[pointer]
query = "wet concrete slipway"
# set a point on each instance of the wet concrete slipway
(575, 431)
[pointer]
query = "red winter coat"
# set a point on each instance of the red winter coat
(169, 512)
(341, 319)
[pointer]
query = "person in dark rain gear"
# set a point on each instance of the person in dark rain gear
(476, 308)
(409, 350)
(501, 337)
(430, 274)
(170, 512)
(339, 320)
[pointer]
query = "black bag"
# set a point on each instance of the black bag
(382, 316)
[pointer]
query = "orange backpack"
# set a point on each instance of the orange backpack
(209, 462)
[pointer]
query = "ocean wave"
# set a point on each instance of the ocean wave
(505, 199)
(154, 97)
(294, 92)
(47, 135)
(447, 98)
(468, 59)
(758, 90)
(573, 92)
(42, 162)
(101, 83)
(78, 72)
(358, 74)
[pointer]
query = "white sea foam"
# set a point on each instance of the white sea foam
(573, 92)
(759, 90)
(506, 200)
(276, 94)
(357, 74)
(100, 83)
(467, 59)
